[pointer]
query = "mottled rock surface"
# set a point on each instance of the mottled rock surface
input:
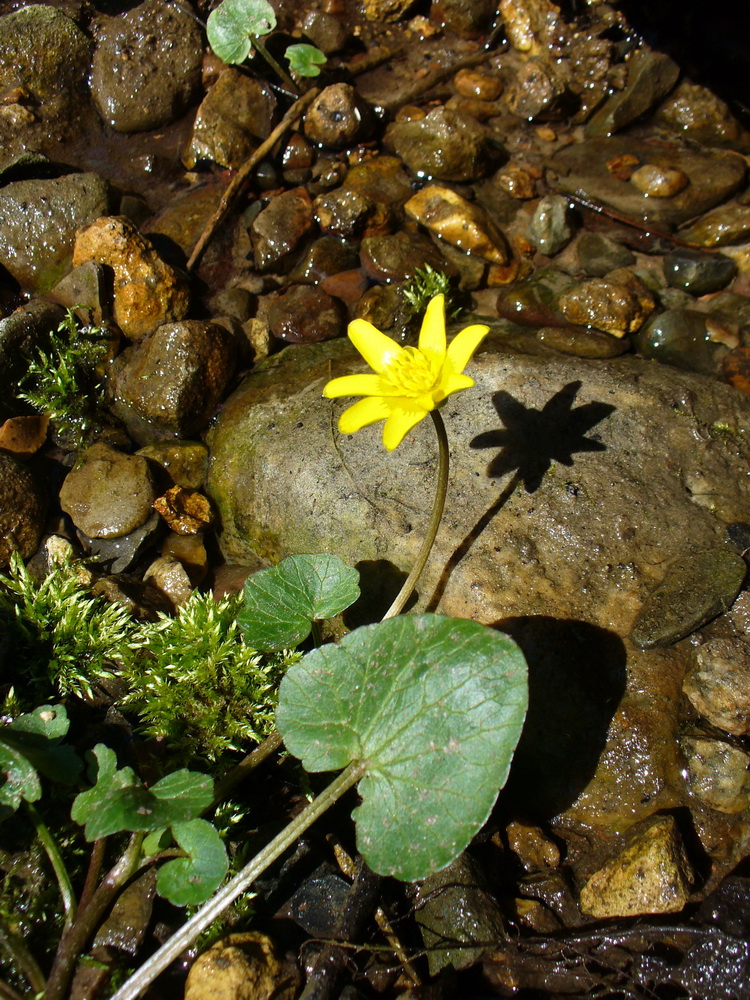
(23, 506)
(561, 518)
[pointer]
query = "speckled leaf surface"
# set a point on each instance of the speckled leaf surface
(434, 707)
(230, 25)
(280, 604)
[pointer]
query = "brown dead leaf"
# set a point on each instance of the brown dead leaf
(24, 435)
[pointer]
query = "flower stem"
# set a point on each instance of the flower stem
(284, 77)
(215, 906)
(432, 528)
(58, 865)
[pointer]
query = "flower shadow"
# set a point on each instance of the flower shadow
(532, 440)
(529, 443)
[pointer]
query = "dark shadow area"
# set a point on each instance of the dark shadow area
(379, 583)
(532, 440)
(576, 680)
(529, 443)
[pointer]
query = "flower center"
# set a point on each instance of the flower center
(410, 372)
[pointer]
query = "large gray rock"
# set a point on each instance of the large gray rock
(38, 223)
(147, 66)
(573, 485)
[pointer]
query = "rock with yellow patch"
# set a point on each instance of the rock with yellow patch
(458, 222)
(650, 875)
(239, 967)
(147, 291)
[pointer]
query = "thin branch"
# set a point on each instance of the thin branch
(49, 844)
(238, 181)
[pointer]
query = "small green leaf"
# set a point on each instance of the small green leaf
(29, 746)
(305, 60)
(281, 603)
(191, 880)
(120, 801)
(433, 707)
(154, 842)
(231, 24)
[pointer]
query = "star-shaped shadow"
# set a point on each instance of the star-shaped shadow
(529, 443)
(533, 439)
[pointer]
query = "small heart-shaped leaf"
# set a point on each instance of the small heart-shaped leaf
(231, 24)
(120, 801)
(305, 60)
(280, 604)
(433, 708)
(191, 880)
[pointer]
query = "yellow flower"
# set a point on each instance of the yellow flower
(408, 381)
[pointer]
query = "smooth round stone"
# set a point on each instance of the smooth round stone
(696, 272)
(659, 182)
(305, 315)
(697, 588)
(582, 342)
(681, 337)
(550, 229)
(598, 255)
(472, 83)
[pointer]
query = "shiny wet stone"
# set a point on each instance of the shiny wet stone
(696, 272)
(697, 588)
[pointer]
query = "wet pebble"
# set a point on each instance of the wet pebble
(598, 254)
(457, 221)
(236, 113)
(696, 588)
(682, 337)
(722, 227)
(109, 494)
(651, 874)
(468, 18)
(21, 335)
(305, 314)
(397, 257)
(170, 383)
(617, 304)
(444, 144)
(651, 76)
(237, 967)
(534, 89)
(297, 160)
(474, 83)
(718, 774)
(382, 179)
(533, 848)
(38, 223)
(323, 258)
(147, 291)
(516, 181)
(338, 117)
(122, 553)
(582, 342)
(170, 578)
(550, 228)
(693, 111)
(717, 684)
(187, 512)
(185, 462)
(147, 66)
(43, 47)
(696, 272)
(327, 32)
(281, 228)
(23, 507)
(534, 302)
(343, 212)
(656, 181)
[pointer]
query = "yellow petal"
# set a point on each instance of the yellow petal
(374, 346)
(405, 413)
(363, 413)
(432, 334)
(359, 385)
(463, 345)
(449, 384)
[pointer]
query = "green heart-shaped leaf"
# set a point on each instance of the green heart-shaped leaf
(305, 60)
(120, 801)
(280, 604)
(433, 707)
(231, 24)
(191, 880)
